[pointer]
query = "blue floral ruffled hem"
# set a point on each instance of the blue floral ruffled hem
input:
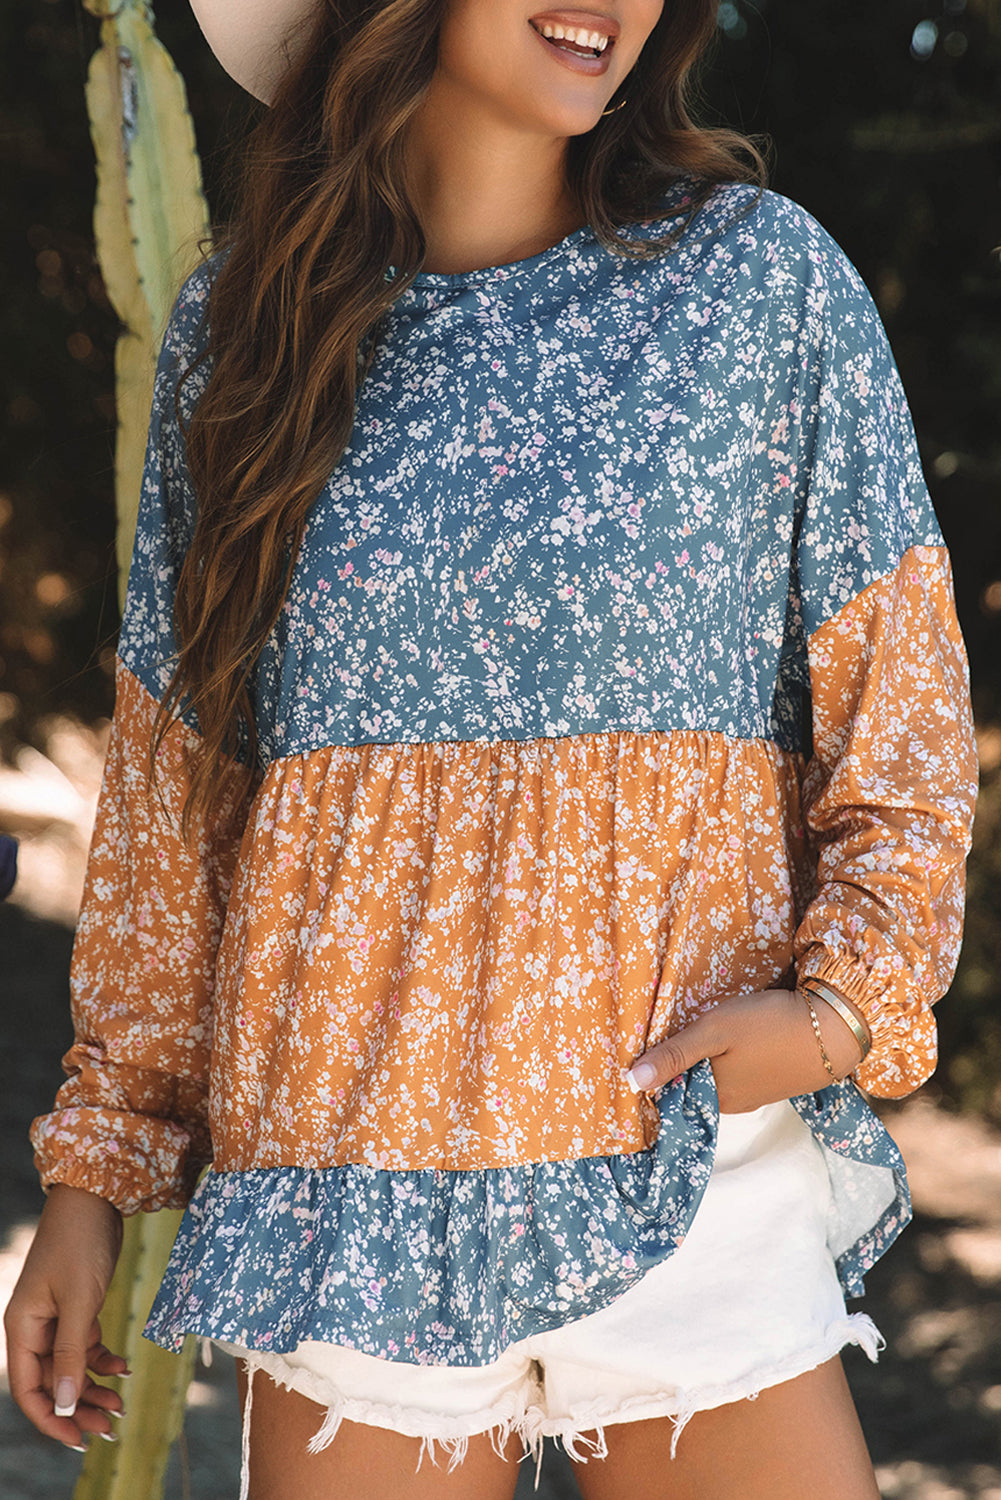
(451, 1267)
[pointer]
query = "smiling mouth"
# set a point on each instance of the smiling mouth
(566, 45)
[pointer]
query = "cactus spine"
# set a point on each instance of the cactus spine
(149, 216)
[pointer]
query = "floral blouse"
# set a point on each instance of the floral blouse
(619, 672)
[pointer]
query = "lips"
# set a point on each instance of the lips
(590, 20)
(593, 64)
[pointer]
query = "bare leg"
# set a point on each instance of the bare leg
(801, 1438)
(362, 1460)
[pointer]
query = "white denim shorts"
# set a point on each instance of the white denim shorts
(749, 1299)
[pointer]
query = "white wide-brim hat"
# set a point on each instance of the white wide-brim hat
(255, 40)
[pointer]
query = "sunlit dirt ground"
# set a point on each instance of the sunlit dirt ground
(931, 1408)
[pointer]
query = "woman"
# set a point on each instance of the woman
(569, 823)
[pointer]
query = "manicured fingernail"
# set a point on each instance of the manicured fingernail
(65, 1397)
(124, 1375)
(118, 1415)
(109, 1437)
(77, 1447)
(640, 1076)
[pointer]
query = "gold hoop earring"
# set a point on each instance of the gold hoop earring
(614, 107)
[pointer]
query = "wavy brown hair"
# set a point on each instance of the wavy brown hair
(297, 299)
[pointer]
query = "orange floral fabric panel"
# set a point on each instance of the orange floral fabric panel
(130, 1122)
(447, 954)
(889, 798)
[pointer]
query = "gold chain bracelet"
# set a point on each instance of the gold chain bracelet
(820, 1039)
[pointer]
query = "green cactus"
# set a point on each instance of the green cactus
(149, 215)
(133, 1468)
(148, 219)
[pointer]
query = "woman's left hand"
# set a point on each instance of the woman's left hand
(762, 1048)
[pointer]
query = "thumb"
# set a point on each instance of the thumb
(675, 1054)
(69, 1358)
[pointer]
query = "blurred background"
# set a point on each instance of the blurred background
(885, 121)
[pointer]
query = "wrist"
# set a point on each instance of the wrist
(844, 1009)
(842, 1036)
(63, 1202)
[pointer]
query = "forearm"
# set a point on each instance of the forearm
(131, 1121)
(762, 1048)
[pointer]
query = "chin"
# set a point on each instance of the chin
(561, 117)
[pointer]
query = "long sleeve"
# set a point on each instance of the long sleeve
(130, 1122)
(890, 787)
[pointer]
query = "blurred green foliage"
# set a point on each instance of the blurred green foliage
(886, 124)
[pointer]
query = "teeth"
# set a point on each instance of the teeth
(594, 39)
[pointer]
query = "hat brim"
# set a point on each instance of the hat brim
(255, 40)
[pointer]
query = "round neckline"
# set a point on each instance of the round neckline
(505, 272)
(521, 269)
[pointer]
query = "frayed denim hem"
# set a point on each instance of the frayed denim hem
(452, 1434)
(854, 1328)
(528, 1421)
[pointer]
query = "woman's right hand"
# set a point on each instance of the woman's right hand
(53, 1334)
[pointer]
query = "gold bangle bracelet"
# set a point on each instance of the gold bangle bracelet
(817, 1034)
(822, 991)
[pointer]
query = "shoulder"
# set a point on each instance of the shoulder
(768, 239)
(182, 362)
(187, 325)
(779, 236)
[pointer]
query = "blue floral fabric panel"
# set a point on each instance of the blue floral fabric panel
(581, 494)
(167, 506)
(603, 495)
